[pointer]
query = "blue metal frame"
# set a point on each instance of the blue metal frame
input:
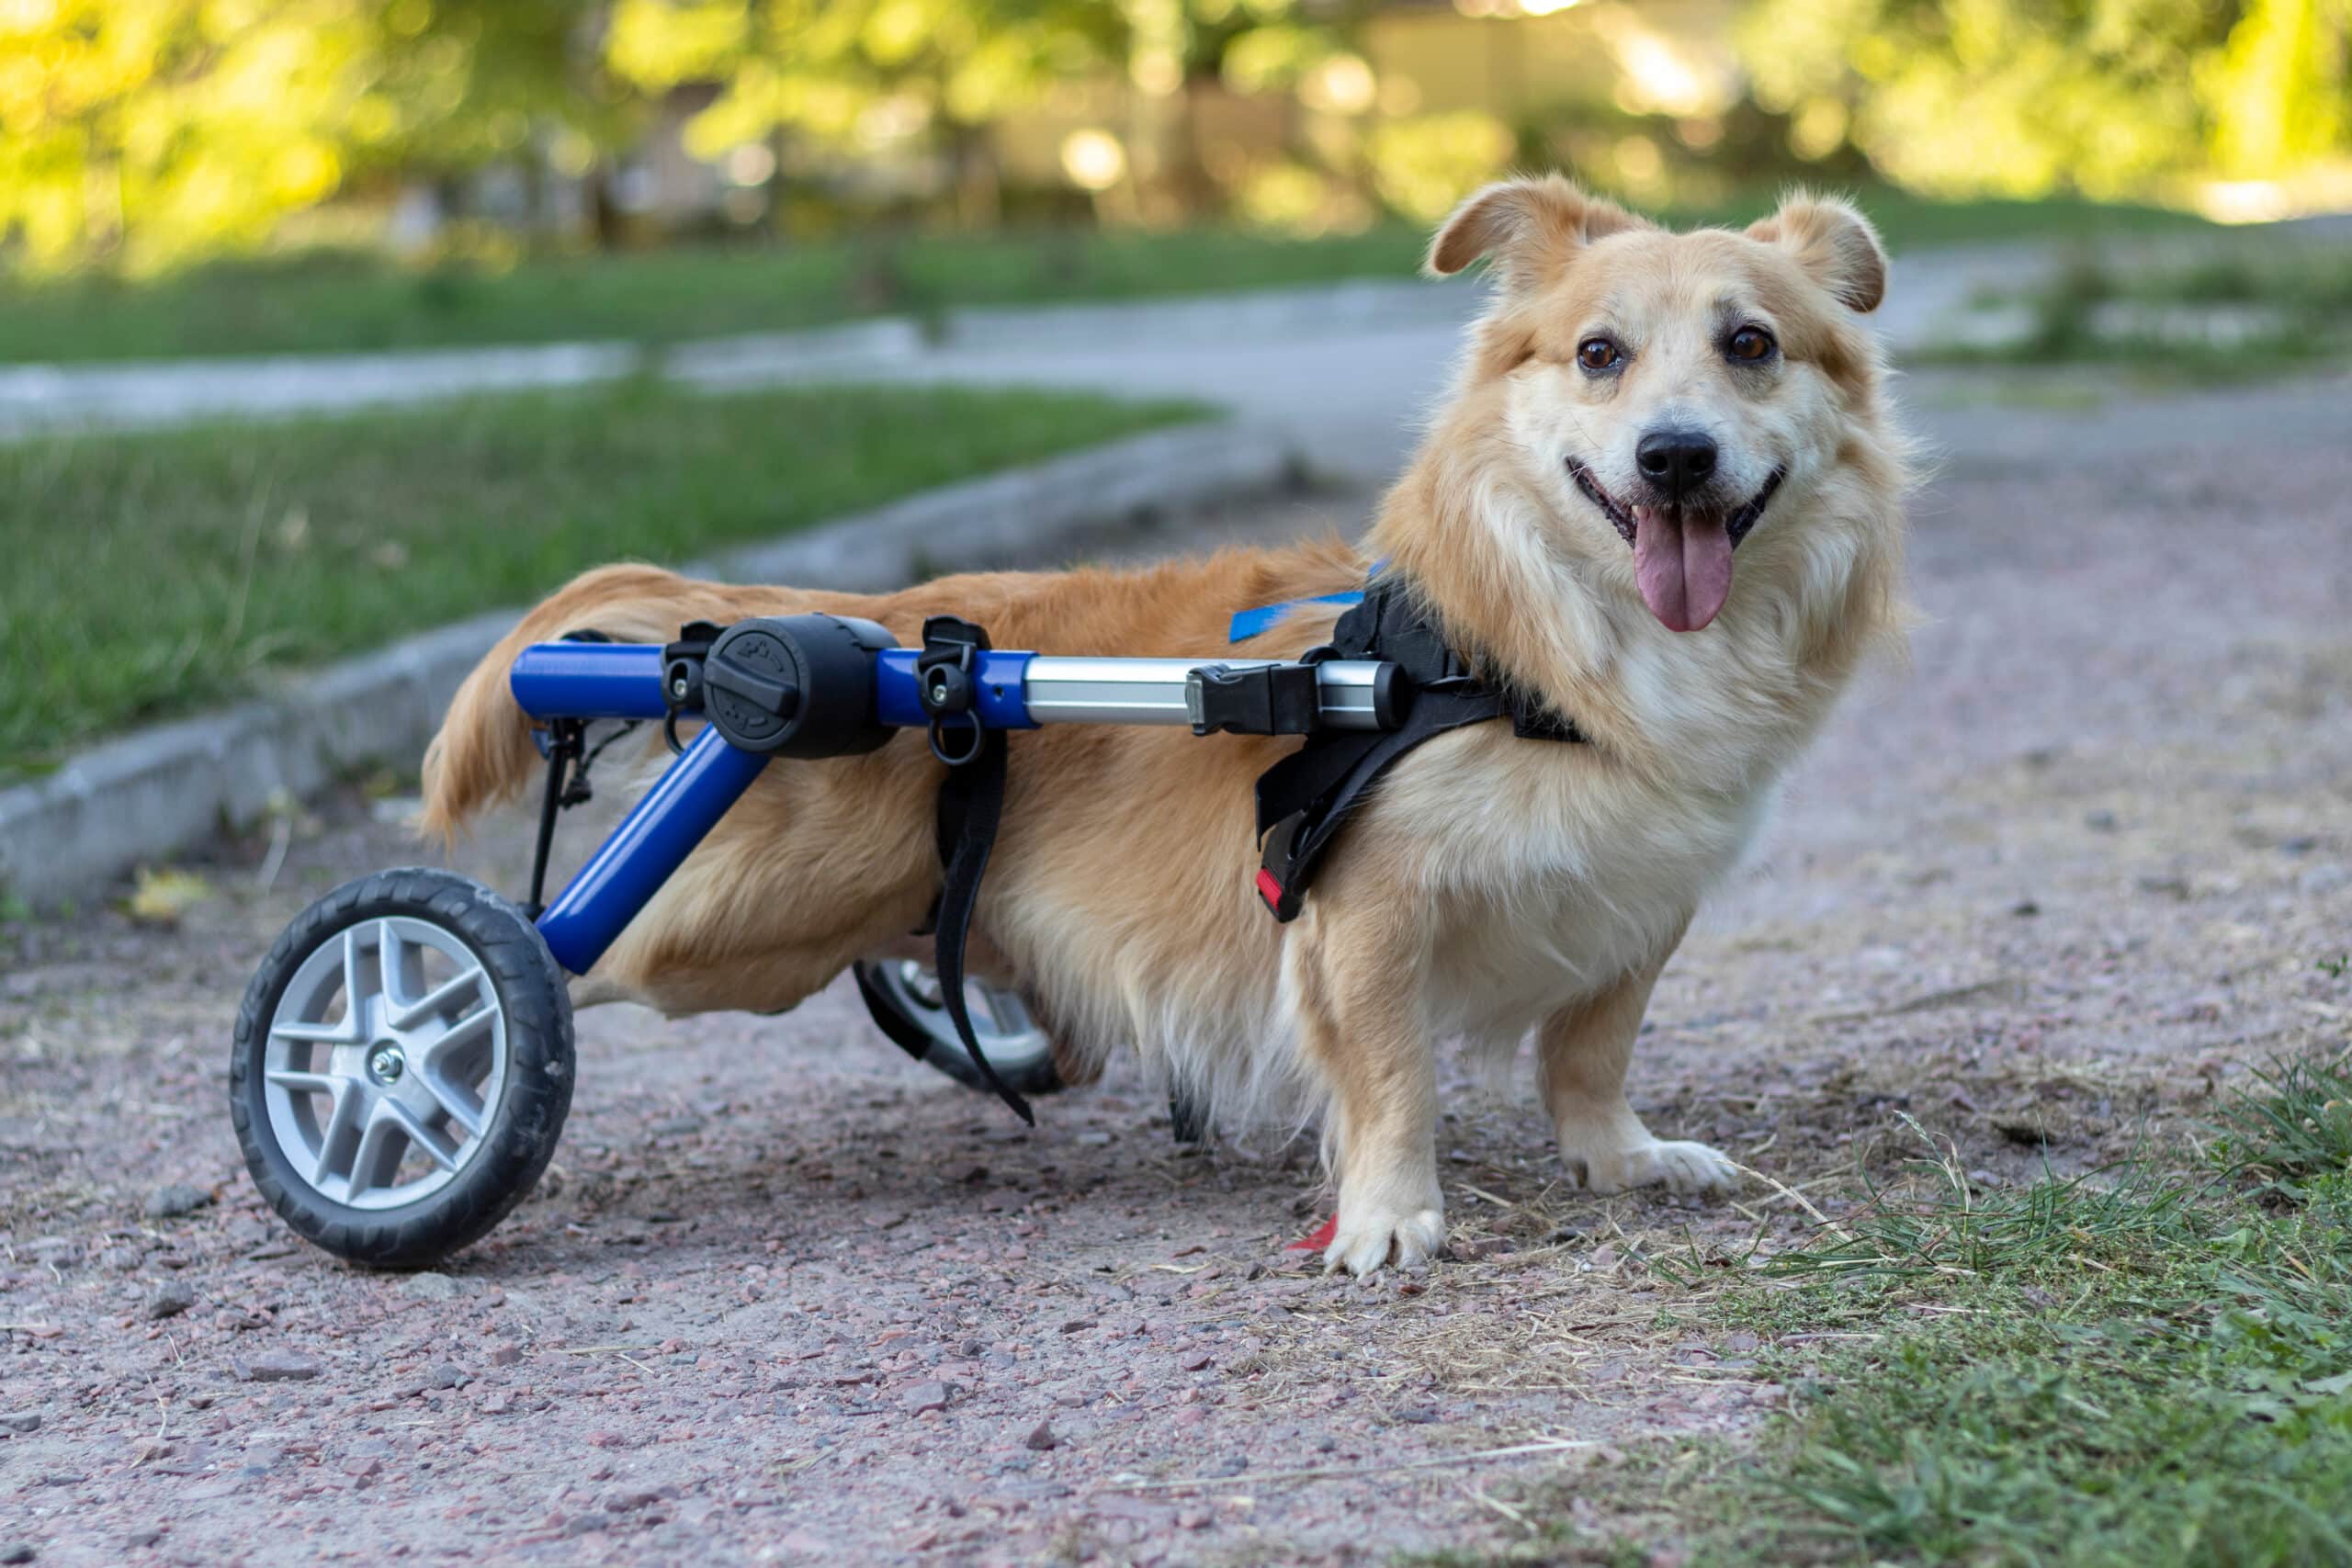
(685, 804)
(1000, 680)
(591, 680)
(588, 680)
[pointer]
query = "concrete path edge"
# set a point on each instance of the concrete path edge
(155, 792)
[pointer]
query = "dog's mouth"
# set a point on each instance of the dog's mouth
(1681, 555)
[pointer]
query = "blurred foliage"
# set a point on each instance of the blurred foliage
(856, 75)
(2021, 97)
(137, 135)
(873, 76)
(145, 132)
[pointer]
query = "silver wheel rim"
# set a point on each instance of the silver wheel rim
(386, 1061)
(1008, 1036)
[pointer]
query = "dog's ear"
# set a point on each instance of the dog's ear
(1834, 245)
(1529, 227)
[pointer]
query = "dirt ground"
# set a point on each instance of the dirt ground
(787, 1296)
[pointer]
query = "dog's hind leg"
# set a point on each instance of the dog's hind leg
(1357, 973)
(1581, 1057)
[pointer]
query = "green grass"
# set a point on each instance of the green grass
(2139, 1367)
(2305, 288)
(150, 574)
(339, 301)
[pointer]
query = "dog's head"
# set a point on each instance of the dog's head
(1661, 389)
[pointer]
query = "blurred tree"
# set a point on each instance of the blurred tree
(866, 75)
(2021, 97)
(141, 133)
(858, 75)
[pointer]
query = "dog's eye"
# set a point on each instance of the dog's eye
(1751, 343)
(1598, 353)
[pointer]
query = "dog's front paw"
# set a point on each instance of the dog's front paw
(1367, 1237)
(1678, 1167)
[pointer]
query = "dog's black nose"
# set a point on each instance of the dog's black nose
(1676, 461)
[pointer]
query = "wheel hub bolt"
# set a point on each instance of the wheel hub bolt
(386, 1064)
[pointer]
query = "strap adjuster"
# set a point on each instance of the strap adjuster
(946, 676)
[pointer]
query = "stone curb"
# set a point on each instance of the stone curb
(154, 793)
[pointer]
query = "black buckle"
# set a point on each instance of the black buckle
(1254, 699)
(946, 677)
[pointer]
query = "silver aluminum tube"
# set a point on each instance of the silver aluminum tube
(1151, 691)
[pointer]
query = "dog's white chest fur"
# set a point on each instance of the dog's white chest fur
(1549, 882)
(1553, 872)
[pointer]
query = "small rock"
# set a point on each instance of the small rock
(628, 1500)
(587, 1524)
(1196, 1362)
(448, 1374)
(18, 1551)
(1232, 1464)
(924, 1396)
(2025, 909)
(360, 1467)
(1420, 1416)
(169, 1299)
(139, 1540)
(178, 1198)
(1076, 1326)
(429, 1287)
(277, 1367)
(1040, 1437)
(20, 1422)
(505, 1354)
(2100, 821)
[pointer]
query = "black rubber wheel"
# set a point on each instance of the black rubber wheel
(402, 1066)
(902, 998)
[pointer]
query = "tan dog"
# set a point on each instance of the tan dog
(1634, 405)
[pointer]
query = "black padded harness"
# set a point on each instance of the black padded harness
(1304, 801)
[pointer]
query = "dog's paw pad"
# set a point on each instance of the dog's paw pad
(1368, 1239)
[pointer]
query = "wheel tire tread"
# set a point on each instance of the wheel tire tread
(538, 1006)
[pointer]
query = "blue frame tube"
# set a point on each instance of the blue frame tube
(683, 806)
(588, 680)
(898, 700)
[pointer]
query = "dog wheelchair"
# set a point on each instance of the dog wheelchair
(403, 1059)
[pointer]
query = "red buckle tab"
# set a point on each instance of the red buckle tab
(1269, 888)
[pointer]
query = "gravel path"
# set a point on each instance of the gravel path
(788, 1297)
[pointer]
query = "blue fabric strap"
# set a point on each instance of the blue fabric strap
(1248, 624)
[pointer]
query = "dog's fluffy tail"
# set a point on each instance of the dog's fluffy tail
(484, 755)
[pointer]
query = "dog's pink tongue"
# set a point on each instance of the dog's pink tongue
(1683, 564)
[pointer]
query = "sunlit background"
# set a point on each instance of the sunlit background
(192, 191)
(139, 136)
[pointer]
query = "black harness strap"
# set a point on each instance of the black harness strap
(1306, 799)
(971, 805)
